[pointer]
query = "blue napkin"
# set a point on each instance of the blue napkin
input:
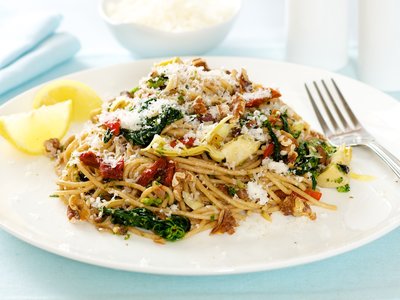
(34, 49)
(21, 33)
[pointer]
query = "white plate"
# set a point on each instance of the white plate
(369, 211)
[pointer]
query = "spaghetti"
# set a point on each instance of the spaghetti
(193, 149)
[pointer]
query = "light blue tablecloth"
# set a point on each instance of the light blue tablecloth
(370, 272)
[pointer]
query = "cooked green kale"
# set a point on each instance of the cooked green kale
(277, 149)
(172, 228)
(343, 188)
(151, 201)
(152, 126)
(285, 123)
(307, 161)
(107, 136)
(231, 191)
(343, 168)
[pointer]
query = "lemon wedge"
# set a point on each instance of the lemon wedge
(84, 98)
(28, 131)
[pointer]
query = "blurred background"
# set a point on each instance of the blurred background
(259, 31)
(306, 32)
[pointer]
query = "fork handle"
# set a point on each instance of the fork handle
(386, 156)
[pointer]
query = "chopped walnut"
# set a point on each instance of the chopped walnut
(199, 106)
(77, 208)
(72, 214)
(52, 147)
(245, 84)
(226, 223)
(293, 205)
(237, 107)
(199, 62)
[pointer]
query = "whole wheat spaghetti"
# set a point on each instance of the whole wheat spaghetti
(193, 149)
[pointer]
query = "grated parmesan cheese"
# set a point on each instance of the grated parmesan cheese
(259, 94)
(277, 167)
(172, 15)
(257, 193)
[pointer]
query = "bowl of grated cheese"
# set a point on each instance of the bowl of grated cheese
(151, 28)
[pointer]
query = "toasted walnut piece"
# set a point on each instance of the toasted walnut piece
(199, 62)
(242, 194)
(226, 223)
(72, 214)
(237, 107)
(199, 106)
(245, 83)
(78, 207)
(52, 147)
(293, 205)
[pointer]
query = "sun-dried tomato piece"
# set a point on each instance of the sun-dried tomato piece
(150, 174)
(188, 142)
(257, 102)
(268, 150)
(114, 126)
(169, 173)
(108, 171)
(90, 159)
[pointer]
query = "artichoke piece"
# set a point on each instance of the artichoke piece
(239, 149)
(336, 174)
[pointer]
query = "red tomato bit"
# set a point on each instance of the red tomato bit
(315, 194)
(150, 174)
(90, 159)
(257, 102)
(269, 150)
(169, 173)
(188, 142)
(109, 172)
(114, 126)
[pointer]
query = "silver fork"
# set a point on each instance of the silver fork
(344, 132)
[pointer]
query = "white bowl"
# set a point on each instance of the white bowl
(149, 42)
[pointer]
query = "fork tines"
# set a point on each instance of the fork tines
(336, 117)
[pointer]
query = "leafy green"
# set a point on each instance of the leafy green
(145, 105)
(343, 168)
(107, 136)
(285, 123)
(181, 99)
(338, 180)
(307, 162)
(313, 180)
(151, 201)
(159, 82)
(172, 228)
(328, 148)
(152, 126)
(343, 188)
(296, 134)
(276, 155)
(81, 177)
(138, 217)
(133, 91)
(231, 191)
